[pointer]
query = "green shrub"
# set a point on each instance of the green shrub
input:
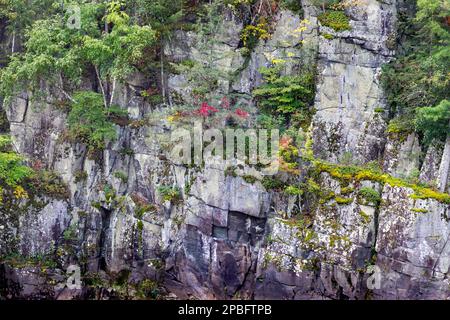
(418, 77)
(171, 194)
(370, 195)
(336, 20)
(284, 94)
(293, 5)
(249, 179)
(343, 201)
(273, 183)
(90, 122)
(148, 289)
(434, 122)
(80, 176)
(13, 172)
(401, 127)
(122, 176)
(293, 191)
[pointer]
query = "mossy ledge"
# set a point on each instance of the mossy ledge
(353, 173)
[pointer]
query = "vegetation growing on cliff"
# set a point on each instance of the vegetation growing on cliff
(89, 122)
(13, 172)
(336, 20)
(417, 82)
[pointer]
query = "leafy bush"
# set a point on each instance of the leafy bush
(293, 191)
(434, 122)
(148, 289)
(61, 56)
(273, 183)
(336, 20)
(122, 176)
(419, 76)
(13, 172)
(293, 5)
(286, 95)
(252, 34)
(370, 195)
(171, 194)
(89, 121)
(400, 127)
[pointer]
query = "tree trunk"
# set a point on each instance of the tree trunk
(13, 42)
(112, 91)
(105, 101)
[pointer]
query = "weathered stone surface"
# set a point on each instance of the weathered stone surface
(412, 246)
(224, 237)
(401, 158)
(348, 90)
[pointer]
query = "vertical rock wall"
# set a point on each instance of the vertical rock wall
(228, 237)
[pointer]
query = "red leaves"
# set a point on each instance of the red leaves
(241, 113)
(205, 110)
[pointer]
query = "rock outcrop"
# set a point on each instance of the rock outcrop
(225, 236)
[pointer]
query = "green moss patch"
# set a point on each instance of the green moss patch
(336, 20)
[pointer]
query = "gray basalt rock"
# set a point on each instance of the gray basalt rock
(348, 89)
(224, 236)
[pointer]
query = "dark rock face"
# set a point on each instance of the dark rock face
(227, 238)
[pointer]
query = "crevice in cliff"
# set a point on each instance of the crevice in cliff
(102, 244)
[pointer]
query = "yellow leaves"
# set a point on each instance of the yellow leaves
(278, 61)
(250, 32)
(20, 193)
(303, 26)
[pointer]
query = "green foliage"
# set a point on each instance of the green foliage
(70, 234)
(249, 179)
(370, 195)
(267, 121)
(434, 122)
(172, 194)
(89, 121)
(284, 94)
(148, 289)
(273, 183)
(419, 77)
(61, 56)
(161, 15)
(12, 170)
(293, 191)
(400, 127)
(47, 183)
(293, 5)
(20, 14)
(16, 260)
(336, 20)
(419, 210)
(251, 34)
(80, 176)
(347, 174)
(343, 201)
(122, 176)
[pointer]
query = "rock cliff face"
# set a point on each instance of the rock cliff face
(227, 236)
